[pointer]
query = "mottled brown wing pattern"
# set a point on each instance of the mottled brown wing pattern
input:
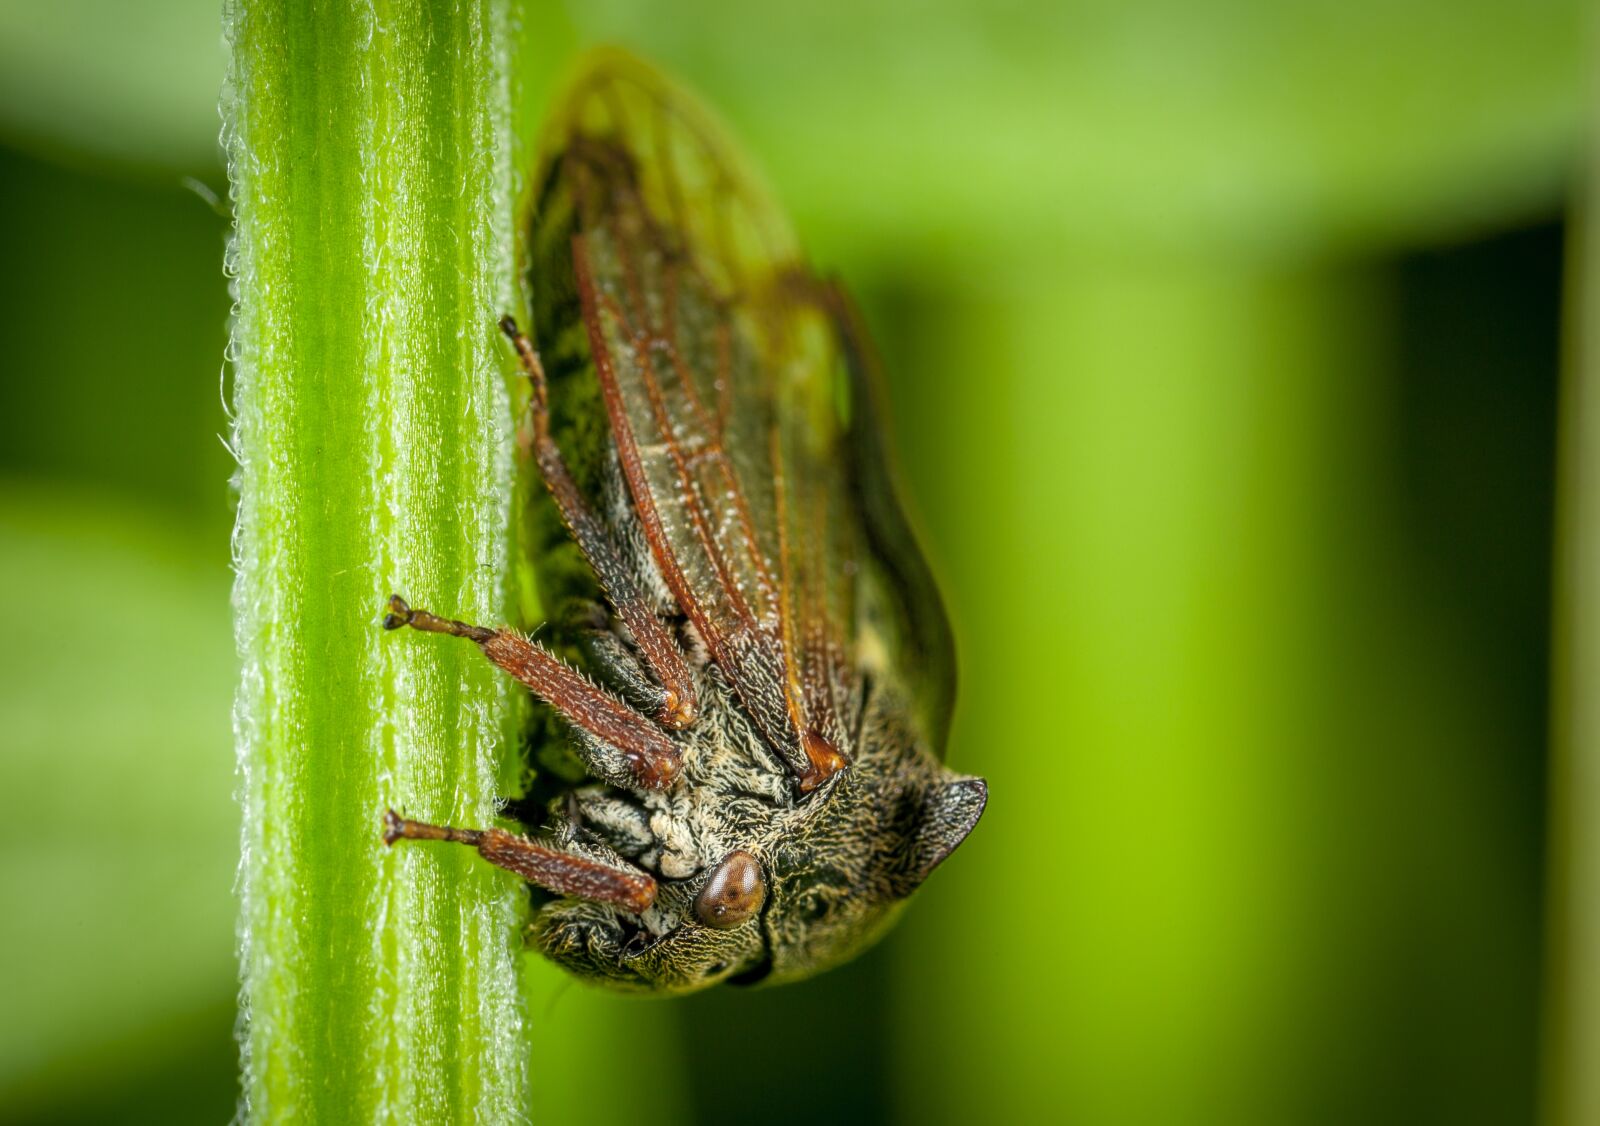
(721, 373)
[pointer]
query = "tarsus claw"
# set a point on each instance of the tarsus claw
(399, 613)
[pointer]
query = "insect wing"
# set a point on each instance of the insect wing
(729, 388)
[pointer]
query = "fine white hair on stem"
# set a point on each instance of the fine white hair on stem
(372, 191)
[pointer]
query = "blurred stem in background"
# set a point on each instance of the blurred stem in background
(1169, 499)
(1572, 985)
(1260, 762)
(371, 158)
(1167, 494)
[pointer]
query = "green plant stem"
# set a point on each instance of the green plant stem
(373, 185)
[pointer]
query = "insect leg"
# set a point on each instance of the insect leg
(590, 623)
(651, 758)
(675, 704)
(561, 872)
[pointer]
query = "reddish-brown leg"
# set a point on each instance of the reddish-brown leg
(652, 758)
(591, 625)
(676, 705)
(560, 872)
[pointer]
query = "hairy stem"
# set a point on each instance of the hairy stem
(372, 175)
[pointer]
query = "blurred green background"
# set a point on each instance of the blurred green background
(1223, 341)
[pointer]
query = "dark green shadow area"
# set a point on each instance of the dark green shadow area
(114, 314)
(794, 1055)
(177, 1074)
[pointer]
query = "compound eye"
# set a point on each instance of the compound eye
(734, 892)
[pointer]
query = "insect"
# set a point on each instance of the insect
(750, 783)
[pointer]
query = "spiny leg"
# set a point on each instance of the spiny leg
(590, 624)
(652, 758)
(676, 705)
(561, 872)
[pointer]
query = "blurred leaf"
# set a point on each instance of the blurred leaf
(993, 129)
(114, 314)
(135, 84)
(967, 124)
(1572, 985)
(119, 840)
